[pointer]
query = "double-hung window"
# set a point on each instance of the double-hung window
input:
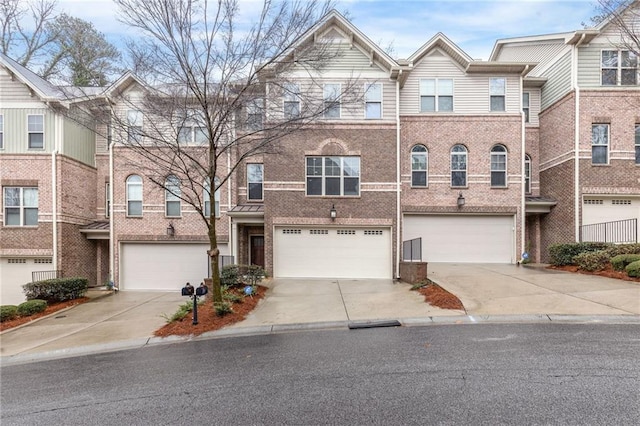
(527, 174)
(637, 139)
(191, 128)
(619, 68)
(458, 166)
(134, 195)
(599, 144)
(134, 126)
(172, 194)
(525, 107)
(207, 200)
(436, 94)
(254, 182)
(20, 206)
(497, 92)
(255, 109)
(419, 166)
(1, 131)
(291, 96)
(373, 100)
(107, 199)
(331, 96)
(498, 166)
(35, 130)
(333, 176)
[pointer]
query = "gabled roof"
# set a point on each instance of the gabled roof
(605, 22)
(441, 41)
(334, 18)
(124, 81)
(39, 86)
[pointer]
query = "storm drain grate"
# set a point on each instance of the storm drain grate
(374, 324)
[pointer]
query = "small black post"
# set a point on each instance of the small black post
(195, 310)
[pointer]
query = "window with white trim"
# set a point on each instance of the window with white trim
(619, 68)
(20, 206)
(637, 139)
(107, 200)
(419, 162)
(35, 131)
(527, 174)
(191, 128)
(291, 96)
(1, 131)
(255, 111)
(172, 194)
(331, 96)
(497, 92)
(599, 144)
(134, 126)
(498, 166)
(134, 195)
(206, 198)
(373, 100)
(333, 176)
(458, 166)
(436, 94)
(525, 106)
(254, 182)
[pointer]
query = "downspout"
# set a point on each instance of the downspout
(523, 214)
(398, 182)
(112, 257)
(576, 137)
(54, 203)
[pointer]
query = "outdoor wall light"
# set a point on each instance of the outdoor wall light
(460, 200)
(333, 213)
(171, 231)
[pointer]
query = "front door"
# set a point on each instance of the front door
(257, 250)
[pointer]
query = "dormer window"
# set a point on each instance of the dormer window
(619, 68)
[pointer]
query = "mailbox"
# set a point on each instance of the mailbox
(202, 290)
(187, 290)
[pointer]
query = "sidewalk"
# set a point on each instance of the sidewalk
(499, 293)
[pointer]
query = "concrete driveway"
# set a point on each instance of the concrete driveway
(497, 289)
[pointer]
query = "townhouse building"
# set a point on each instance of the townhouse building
(473, 161)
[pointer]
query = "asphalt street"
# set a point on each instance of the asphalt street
(585, 374)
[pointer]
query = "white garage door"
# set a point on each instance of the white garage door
(598, 209)
(15, 272)
(469, 239)
(332, 252)
(148, 266)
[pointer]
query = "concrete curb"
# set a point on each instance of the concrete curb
(330, 325)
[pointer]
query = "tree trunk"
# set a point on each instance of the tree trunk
(214, 260)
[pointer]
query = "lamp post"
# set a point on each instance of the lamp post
(460, 201)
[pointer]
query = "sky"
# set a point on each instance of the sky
(405, 25)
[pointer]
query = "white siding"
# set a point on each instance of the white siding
(559, 81)
(534, 106)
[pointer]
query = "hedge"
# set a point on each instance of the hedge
(56, 290)
(31, 307)
(633, 269)
(8, 312)
(563, 254)
(592, 261)
(621, 261)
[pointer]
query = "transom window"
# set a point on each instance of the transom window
(134, 195)
(134, 126)
(191, 128)
(35, 130)
(291, 98)
(527, 174)
(172, 194)
(458, 166)
(331, 96)
(339, 176)
(600, 144)
(525, 106)
(255, 182)
(419, 166)
(436, 94)
(637, 143)
(20, 206)
(497, 91)
(619, 68)
(207, 200)
(373, 100)
(498, 166)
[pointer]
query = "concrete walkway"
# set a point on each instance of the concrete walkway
(488, 292)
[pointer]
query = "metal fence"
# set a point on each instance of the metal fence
(412, 250)
(45, 275)
(618, 231)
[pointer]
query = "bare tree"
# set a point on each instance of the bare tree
(206, 106)
(625, 16)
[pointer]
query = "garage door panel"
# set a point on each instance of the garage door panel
(470, 239)
(332, 253)
(165, 267)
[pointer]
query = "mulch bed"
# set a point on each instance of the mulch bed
(608, 272)
(52, 308)
(439, 297)
(208, 320)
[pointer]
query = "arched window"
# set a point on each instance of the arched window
(458, 166)
(216, 198)
(134, 195)
(498, 166)
(419, 166)
(172, 196)
(527, 174)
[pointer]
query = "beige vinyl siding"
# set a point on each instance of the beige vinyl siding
(534, 107)
(79, 142)
(559, 81)
(589, 59)
(15, 130)
(346, 61)
(542, 53)
(12, 90)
